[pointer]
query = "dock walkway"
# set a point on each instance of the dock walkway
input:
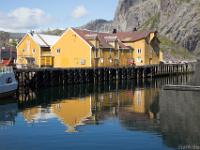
(182, 87)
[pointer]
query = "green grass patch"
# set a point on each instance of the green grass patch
(152, 23)
(174, 50)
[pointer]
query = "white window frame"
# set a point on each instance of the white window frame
(139, 51)
(110, 52)
(58, 50)
(139, 60)
(33, 51)
(83, 61)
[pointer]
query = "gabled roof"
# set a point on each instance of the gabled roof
(122, 46)
(85, 35)
(104, 38)
(44, 40)
(103, 42)
(133, 36)
(82, 34)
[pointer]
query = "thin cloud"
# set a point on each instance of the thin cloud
(22, 19)
(79, 12)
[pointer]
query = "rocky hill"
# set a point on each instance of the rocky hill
(177, 21)
(9, 39)
(99, 25)
(53, 32)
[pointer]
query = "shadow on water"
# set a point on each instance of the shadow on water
(180, 115)
(136, 104)
(180, 118)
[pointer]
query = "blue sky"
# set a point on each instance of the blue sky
(24, 15)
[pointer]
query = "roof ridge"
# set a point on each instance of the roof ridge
(42, 39)
(48, 35)
(101, 36)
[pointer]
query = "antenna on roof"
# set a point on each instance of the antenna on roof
(32, 32)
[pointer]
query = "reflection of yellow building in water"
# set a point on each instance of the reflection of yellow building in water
(38, 114)
(113, 99)
(29, 114)
(139, 101)
(142, 100)
(77, 111)
(73, 112)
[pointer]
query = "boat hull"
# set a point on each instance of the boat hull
(8, 85)
(8, 94)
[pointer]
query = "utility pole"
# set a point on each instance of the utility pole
(11, 53)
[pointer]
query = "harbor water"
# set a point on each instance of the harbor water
(123, 115)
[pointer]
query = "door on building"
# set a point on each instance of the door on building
(96, 62)
(150, 61)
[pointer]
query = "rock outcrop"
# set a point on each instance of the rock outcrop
(134, 13)
(99, 25)
(178, 20)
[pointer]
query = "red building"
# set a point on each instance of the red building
(8, 55)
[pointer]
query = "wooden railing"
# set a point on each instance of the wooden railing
(6, 70)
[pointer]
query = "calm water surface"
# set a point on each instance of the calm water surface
(123, 115)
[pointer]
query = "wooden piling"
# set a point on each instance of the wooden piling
(38, 78)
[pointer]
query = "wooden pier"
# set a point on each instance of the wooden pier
(48, 77)
(29, 98)
(182, 87)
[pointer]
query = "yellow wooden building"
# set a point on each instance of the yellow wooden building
(83, 48)
(78, 48)
(145, 45)
(34, 50)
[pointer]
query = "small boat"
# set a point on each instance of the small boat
(8, 83)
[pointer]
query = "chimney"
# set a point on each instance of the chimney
(156, 33)
(114, 31)
(134, 29)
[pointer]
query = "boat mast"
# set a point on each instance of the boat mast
(0, 55)
(10, 53)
